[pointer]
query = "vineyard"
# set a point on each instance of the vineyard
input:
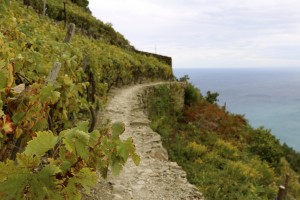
(51, 88)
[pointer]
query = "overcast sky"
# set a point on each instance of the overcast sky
(209, 33)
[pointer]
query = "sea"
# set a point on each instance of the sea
(267, 97)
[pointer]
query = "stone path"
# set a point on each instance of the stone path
(155, 178)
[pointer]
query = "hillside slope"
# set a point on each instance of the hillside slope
(51, 88)
(156, 177)
(222, 154)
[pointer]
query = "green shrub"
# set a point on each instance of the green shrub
(212, 97)
(266, 146)
(191, 95)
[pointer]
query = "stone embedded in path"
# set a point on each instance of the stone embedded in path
(140, 122)
(159, 154)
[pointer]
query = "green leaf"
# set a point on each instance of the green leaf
(136, 159)
(94, 138)
(47, 94)
(1, 106)
(82, 126)
(3, 80)
(43, 185)
(40, 125)
(126, 149)
(17, 117)
(13, 180)
(116, 167)
(67, 158)
(117, 129)
(43, 142)
(76, 141)
(29, 162)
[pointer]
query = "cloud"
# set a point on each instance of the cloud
(210, 33)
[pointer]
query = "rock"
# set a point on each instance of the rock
(159, 154)
(117, 197)
(137, 188)
(119, 188)
(141, 182)
(144, 171)
(140, 122)
(180, 180)
(154, 139)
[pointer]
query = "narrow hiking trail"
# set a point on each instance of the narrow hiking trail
(156, 177)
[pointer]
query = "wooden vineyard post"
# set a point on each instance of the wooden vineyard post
(281, 193)
(70, 33)
(44, 7)
(91, 90)
(286, 185)
(52, 79)
(53, 73)
(65, 13)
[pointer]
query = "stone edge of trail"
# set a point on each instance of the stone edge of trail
(156, 177)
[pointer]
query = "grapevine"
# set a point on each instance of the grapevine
(48, 148)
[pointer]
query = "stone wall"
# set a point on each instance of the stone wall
(176, 90)
(165, 59)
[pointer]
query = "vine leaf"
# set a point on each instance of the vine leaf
(85, 178)
(76, 140)
(13, 180)
(116, 167)
(29, 162)
(3, 81)
(18, 116)
(136, 159)
(16, 179)
(43, 184)
(127, 149)
(49, 95)
(7, 125)
(117, 129)
(43, 142)
(94, 138)
(82, 126)
(1, 106)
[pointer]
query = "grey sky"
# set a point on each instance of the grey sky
(209, 33)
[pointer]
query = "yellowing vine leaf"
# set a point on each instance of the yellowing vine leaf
(43, 142)
(85, 179)
(6, 125)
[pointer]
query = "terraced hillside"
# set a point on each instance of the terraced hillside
(51, 88)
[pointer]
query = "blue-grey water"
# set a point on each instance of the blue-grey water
(267, 97)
